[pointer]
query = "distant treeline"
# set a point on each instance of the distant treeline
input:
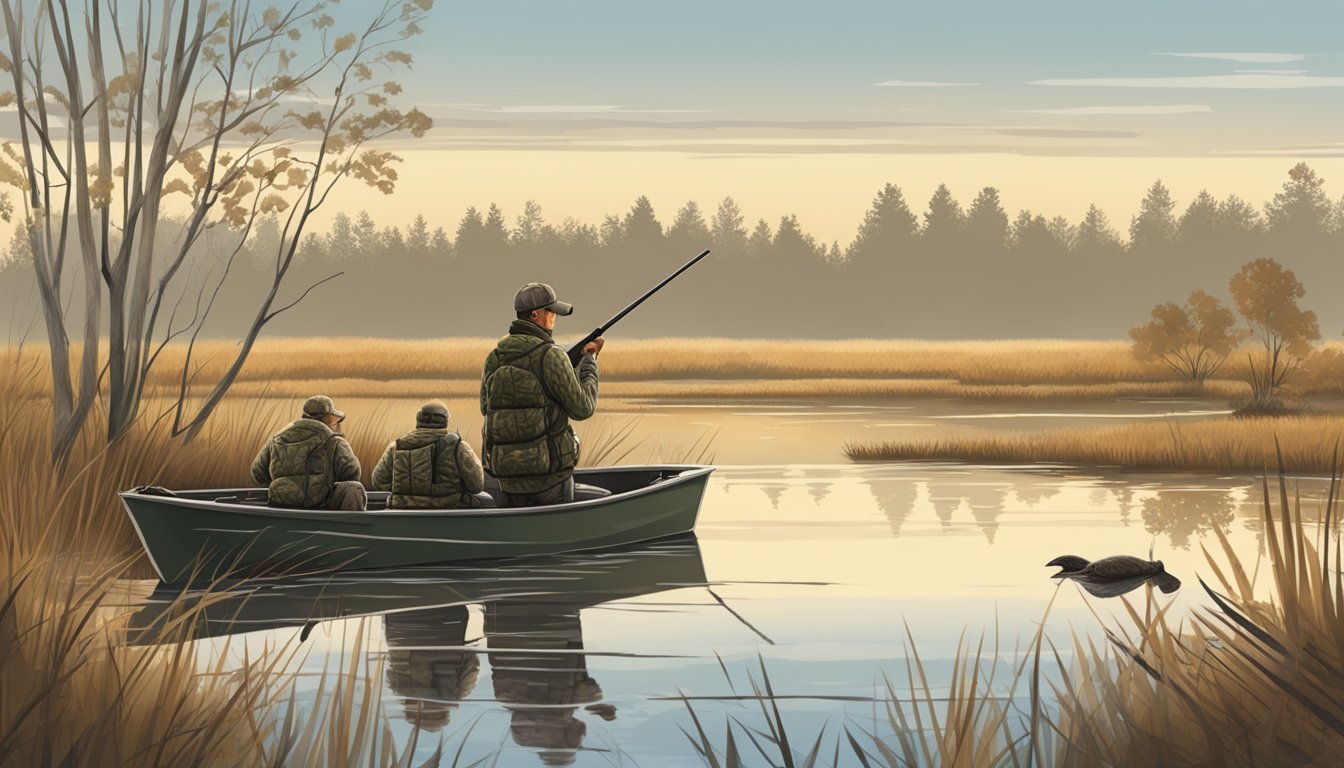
(946, 272)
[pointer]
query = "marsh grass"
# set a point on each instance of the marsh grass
(1212, 445)
(72, 692)
(1250, 679)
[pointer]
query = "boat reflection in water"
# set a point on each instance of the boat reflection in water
(533, 628)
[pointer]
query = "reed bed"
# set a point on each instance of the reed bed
(1213, 445)
(73, 693)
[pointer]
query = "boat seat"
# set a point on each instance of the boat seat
(585, 492)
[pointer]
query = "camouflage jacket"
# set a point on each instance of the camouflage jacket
(529, 392)
(428, 469)
(309, 485)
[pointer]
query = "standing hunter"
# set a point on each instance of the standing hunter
(529, 392)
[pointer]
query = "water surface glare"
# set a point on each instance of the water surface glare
(817, 570)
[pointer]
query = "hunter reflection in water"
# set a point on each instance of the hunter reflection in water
(537, 669)
(428, 663)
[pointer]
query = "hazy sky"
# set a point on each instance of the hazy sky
(845, 76)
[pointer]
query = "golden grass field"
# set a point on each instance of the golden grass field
(1032, 370)
(1214, 445)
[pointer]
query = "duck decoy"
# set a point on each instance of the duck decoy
(1114, 575)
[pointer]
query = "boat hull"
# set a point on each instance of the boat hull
(192, 537)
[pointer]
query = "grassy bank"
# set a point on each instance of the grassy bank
(1214, 445)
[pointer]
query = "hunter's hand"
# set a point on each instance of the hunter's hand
(594, 347)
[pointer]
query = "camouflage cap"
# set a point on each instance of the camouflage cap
(539, 296)
(433, 414)
(319, 406)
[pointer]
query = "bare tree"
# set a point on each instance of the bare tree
(1193, 340)
(243, 112)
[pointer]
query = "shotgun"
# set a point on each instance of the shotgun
(576, 351)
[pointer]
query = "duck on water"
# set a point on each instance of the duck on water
(1114, 575)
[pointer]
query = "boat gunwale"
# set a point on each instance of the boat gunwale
(689, 472)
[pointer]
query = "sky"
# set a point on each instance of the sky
(810, 108)
(845, 76)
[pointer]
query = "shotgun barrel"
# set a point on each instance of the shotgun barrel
(576, 351)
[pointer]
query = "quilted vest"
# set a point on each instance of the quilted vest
(421, 478)
(301, 474)
(525, 434)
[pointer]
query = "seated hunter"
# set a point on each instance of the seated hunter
(431, 468)
(309, 464)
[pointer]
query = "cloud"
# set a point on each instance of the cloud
(1242, 81)
(1271, 71)
(537, 109)
(919, 84)
(1249, 58)
(1065, 133)
(1126, 109)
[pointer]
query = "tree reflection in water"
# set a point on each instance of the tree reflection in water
(1180, 514)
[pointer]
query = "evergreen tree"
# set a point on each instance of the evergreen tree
(417, 237)
(340, 239)
(1095, 238)
(761, 241)
(689, 230)
(469, 243)
(495, 234)
(986, 224)
(1300, 215)
(1152, 231)
(943, 224)
(531, 226)
(728, 236)
(887, 232)
(1198, 226)
(613, 232)
(641, 229)
(368, 241)
(439, 244)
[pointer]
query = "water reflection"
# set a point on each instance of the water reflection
(1178, 514)
(428, 665)
(895, 498)
(539, 673)
(532, 620)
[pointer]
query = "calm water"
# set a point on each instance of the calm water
(815, 570)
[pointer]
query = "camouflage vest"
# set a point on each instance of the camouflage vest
(417, 482)
(301, 474)
(526, 435)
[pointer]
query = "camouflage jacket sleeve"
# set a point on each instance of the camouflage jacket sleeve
(382, 471)
(344, 463)
(261, 466)
(574, 391)
(469, 465)
(489, 368)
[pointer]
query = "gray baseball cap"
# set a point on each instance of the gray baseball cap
(539, 296)
(320, 406)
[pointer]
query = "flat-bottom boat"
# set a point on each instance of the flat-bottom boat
(193, 536)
